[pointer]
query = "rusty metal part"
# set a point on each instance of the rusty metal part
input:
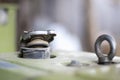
(102, 58)
(35, 44)
(38, 43)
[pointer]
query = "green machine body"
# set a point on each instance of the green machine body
(7, 27)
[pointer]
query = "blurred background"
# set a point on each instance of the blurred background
(77, 22)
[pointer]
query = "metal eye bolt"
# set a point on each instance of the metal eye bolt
(105, 59)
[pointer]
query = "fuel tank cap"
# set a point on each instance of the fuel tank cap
(35, 44)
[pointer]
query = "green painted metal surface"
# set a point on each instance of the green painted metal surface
(14, 68)
(8, 29)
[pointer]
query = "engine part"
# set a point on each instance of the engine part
(35, 44)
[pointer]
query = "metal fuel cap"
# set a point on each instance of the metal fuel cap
(35, 44)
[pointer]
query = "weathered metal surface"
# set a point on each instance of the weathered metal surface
(65, 66)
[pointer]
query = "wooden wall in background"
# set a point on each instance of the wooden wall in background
(9, 1)
(86, 18)
(104, 18)
(70, 13)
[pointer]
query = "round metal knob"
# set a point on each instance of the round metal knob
(102, 58)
